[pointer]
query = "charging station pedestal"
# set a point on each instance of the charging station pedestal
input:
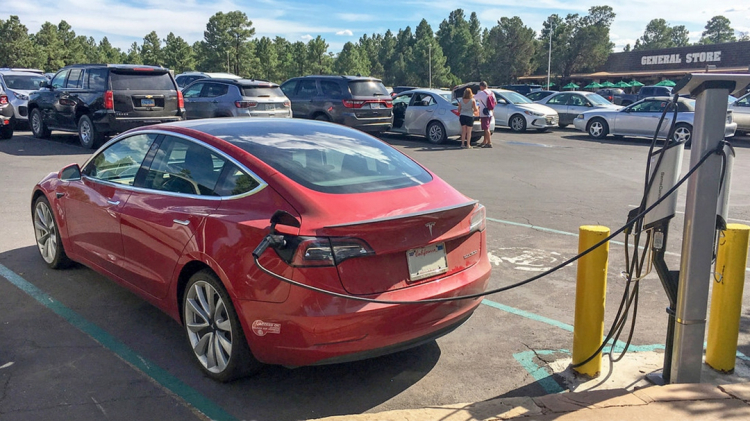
(711, 91)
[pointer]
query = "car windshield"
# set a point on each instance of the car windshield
(142, 81)
(328, 159)
(262, 91)
(24, 82)
(597, 99)
(368, 88)
(516, 98)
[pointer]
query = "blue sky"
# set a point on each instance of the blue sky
(339, 21)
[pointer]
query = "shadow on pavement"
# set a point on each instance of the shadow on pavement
(276, 392)
(24, 144)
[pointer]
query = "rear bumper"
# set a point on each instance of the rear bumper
(108, 122)
(374, 124)
(314, 328)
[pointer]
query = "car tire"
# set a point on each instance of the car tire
(562, 125)
(6, 131)
(47, 235)
(683, 133)
(214, 331)
(517, 123)
(38, 128)
(597, 128)
(321, 117)
(476, 138)
(436, 133)
(88, 135)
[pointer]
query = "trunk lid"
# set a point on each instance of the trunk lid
(144, 93)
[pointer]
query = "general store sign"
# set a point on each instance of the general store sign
(701, 57)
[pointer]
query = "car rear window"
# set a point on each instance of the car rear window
(23, 82)
(261, 91)
(368, 88)
(330, 160)
(144, 81)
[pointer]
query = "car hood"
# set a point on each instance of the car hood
(24, 91)
(539, 108)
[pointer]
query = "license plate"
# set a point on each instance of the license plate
(425, 262)
(145, 102)
(375, 105)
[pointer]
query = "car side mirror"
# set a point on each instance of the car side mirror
(44, 84)
(70, 173)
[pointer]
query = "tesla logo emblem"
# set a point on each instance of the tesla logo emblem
(429, 226)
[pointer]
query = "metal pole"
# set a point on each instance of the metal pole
(698, 237)
(549, 57)
(430, 60)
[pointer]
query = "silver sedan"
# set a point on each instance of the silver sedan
(641, 118)
(741, 113)
(520, 113)
(569, 104)
(431, 113)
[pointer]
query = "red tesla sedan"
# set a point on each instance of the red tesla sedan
(174, 212)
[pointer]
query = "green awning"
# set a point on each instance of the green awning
(622, 84)
(592, 85)
(571, 85)
(635, 84)
(666, 82)
(607, 84)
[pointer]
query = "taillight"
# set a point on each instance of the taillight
(287, 103)
(388, 103)
(349, 103)
(609, 98)
(180, 100)
(245, 104)
(478, 219)
(3, 99)
(109, 100)
(455, 112)
(322, 251)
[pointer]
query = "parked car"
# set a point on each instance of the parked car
(741, 113)
(185, 79)
(6, 117)
(431, 113)
(569, 104)
(99, 100)
(610, 94)
(175, 212)
(641, 118)
(17, 85)
(644, 92)
(523, 89)
(520, 113)
(537, 95)
(207, 98)
(354, 101)
(398, 89)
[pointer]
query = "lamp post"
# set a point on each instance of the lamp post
(429, 55)
(549, 56)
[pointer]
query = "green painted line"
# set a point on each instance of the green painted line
(528, 315)
(161, 376)
(541, 374)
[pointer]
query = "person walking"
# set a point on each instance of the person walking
(485, 103)
(467, 109)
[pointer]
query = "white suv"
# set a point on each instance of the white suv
(17, 85)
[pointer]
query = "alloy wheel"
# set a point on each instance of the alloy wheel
(682, 134)
(436, 133)
(46, 232)
(36, 123)
(85, 132)
(596, 129)
(208, 326)
(518, 124)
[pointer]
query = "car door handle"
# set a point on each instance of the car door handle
(113, 202)
(181, 222)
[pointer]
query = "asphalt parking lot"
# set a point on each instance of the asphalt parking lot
(77, 346)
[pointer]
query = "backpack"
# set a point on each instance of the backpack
(491, 102)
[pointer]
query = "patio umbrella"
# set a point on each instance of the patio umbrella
(592, 85)
(551, 84)
(607, 84)
(571, 85)
(635, 84)
(622, 84)
(666, 82)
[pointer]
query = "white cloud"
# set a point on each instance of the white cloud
(346, 32)
(355, 17)
(307, 37)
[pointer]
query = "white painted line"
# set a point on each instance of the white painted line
(681, 212)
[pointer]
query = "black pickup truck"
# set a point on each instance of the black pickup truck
(619, 97)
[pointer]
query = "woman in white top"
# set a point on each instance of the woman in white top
(467, 109)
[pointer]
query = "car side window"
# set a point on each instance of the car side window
(97, 79)
(59, 80)
(212, 90)
(577, 100)
(235, 181)
(75, 79)
(331, 89)
(194, 91)
(288, 87)
(307, 89)
(423, 100)
(120, 162)
(559, 99)
(183, 166)
(743, 102)
(642, 107)
(402, 99)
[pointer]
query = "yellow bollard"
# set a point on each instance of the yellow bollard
(726, 298)
(591, 291)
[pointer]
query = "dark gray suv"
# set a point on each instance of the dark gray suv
(208, 98)
(359, 102)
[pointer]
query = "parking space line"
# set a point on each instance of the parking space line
(554, 231)
(161, 376)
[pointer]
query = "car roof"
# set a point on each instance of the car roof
(11, 70)
(241, 82)
(425, 90)
(114, 66)
(213, 75)
(19, 73)
(345, 77)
